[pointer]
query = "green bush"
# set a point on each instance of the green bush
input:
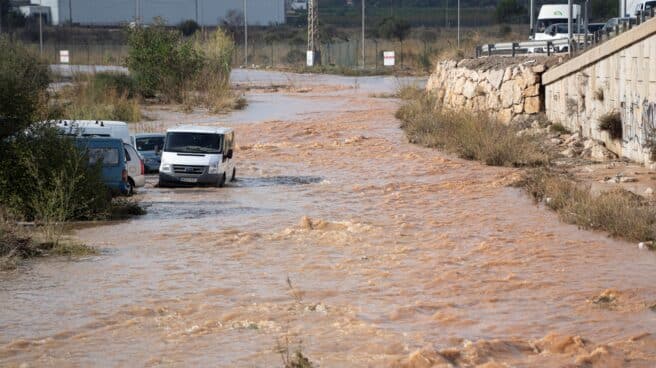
(295, 56)
(45, 178)
(162, 62)
(24, 79)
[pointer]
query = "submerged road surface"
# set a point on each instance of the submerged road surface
(343, 240)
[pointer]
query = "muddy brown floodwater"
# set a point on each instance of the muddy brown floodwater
(394, 253)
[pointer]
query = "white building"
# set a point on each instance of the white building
(118, 12)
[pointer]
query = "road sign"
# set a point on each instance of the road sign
(388, 58)
(310, 58)
(63, 56)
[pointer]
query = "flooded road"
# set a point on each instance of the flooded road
(343, 239)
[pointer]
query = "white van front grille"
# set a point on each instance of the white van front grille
(188, 169)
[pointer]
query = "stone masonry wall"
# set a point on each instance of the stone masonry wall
(505, 88)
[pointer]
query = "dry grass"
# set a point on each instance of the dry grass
(18, 244)
(103, 96)
(611, 122)
(559, 128)
(619, 212)
(473, 136)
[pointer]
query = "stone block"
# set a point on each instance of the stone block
(532, 105)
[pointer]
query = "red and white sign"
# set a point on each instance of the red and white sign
(388, 58)
(63, 56)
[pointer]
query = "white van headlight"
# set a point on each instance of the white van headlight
(165, 168)
(213, 168)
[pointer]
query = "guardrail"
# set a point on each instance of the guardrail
(579, 43)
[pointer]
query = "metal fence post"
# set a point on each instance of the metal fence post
(513, 48)
(489, 49)
(549, 45)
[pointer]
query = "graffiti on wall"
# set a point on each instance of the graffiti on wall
(640, 129)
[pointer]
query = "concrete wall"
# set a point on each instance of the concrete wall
(619, 75)
(508, 89)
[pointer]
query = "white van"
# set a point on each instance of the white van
(197, 155)
(642, 7)
(95, 128)
(555, 13)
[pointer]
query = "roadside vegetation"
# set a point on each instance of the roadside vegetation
(190, 71)
(100, 96)
(473, 136)
(44, 179)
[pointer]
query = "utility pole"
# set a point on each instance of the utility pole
(245, 36)
(459, 23)
(196, 11)
(569, 26)
(446, 15)
(312, 24)
(40, 29)
(531, 17)
(70, 13)
(363, 34)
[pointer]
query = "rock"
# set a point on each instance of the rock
(505, 115)
(628, 179)
(532, 90)
(532, 105)
(601, 154)
(507, 74)
(556, 141)
(538, 68)
(495, 78)
(518, 109)
(568, 152)
(648, 191)
(469, 89)
(460, 83)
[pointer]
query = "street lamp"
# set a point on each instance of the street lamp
(363, 34)
(245, 37)
(459, 23)
(40, 29)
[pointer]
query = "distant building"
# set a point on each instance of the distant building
(119, 12)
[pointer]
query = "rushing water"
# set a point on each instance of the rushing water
(342, 236)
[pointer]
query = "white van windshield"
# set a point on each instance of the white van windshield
(193, 142)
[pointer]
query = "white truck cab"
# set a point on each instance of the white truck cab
(197, 155)
(555, 13)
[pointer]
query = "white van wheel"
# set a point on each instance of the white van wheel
(222, 181)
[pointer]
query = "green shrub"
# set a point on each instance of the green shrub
(612, 123)
(162, 62)
(24, 79)
(45, 178)
(295, 56)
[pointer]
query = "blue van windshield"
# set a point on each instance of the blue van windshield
(193, 142)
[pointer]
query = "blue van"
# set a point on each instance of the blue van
(111, 153)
